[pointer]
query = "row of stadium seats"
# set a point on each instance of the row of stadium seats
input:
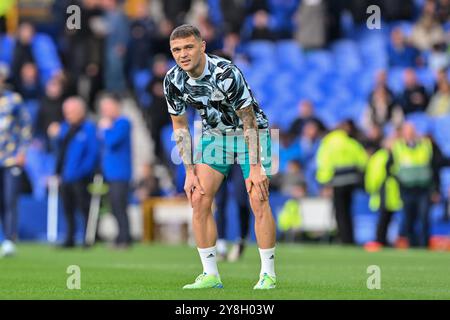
(44, 52)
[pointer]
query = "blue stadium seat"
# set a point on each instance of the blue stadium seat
(345, 47)
(289, 54)
(261, 50)
(46, 55)
(319, 60)
(447, 26)
(362, 83)
(6, 49)
(329, 118)
(426, 77)
(445, 182)
(355, 111)
(395, 79)
(441, 133)
(421, 121)
(141, 79)
(404, 25)
(215, 12)
(373, 50)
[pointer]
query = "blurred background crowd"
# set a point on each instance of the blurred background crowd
(313, 65)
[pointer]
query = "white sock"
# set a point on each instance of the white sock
(221, 246)
(209, 261)
(267, 261)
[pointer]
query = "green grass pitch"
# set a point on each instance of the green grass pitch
(159, 271)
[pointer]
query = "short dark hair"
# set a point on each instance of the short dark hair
(185, 31)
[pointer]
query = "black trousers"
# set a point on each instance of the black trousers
(342, 201)
(416, 207)
(3, 25)
(75, 197)
(383, 224)
(118, 197)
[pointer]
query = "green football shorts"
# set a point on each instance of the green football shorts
(220, 152)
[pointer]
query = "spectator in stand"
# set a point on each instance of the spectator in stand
(28, 85)
(5, 7)
(23, 51)
(142, 31)
(231, 43)
(381, 81)
(427, 31)
(305, 114)
(438, 58)
(373, 140)
(401, 53)
(176, 10)
(50, 108)
(382, 109)
(261, 29)
(115, 46)
(15, 137)
(310, 138)
(311, 135)
(443, 11)
(441, 75)
(292, 182)
(233, 12)
(210, 34)
(84, 52)
(76, 162)
(148, 184)
(414, 97)
(440, 102)
(156, 114)
(283, 12)
(161, 39)
(311, 24)
(115, 136)
(289, 149)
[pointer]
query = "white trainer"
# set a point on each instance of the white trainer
(8, 248)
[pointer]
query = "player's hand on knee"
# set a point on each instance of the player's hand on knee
(259, 181)
(191, 184)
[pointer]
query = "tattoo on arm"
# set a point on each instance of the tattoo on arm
(250, 133)
(184, 144)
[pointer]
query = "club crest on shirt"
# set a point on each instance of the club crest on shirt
(217, 95)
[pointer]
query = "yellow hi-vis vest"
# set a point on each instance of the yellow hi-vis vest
(379, 183)
(5, 6)
(412, 165)
(339, 159)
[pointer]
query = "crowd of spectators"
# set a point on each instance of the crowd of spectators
(122, 47)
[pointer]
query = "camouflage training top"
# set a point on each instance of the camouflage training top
(217, 94)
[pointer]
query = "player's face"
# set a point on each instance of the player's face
(187, 52)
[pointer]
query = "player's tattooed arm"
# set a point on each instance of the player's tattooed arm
(250, 133)
(183, 140)
(256, 178)
(184, 144)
